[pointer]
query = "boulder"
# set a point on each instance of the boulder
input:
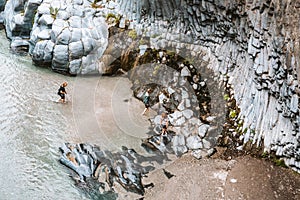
(202, 130)
(194, 142)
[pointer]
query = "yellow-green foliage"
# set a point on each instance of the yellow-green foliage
(132, 34)
(53, 12)
(110, 15)
(226, 97)
(232, 114)
(156, 68)
(116, 18)
(279, 162)
(142, 41)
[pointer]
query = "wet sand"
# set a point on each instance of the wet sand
(105, 113)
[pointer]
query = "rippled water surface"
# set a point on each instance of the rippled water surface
(32, 128)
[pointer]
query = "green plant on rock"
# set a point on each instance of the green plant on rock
(156, 68)
(279, 162)
(155, 35)
(142, 42)
(239, 127)
(172, 55)
(272, 157)
(110, 15)
(113, 18)
(265, 155)
(226, 97)
(53, 12)
(132, 34)
(190, 60)
(252, 132)
(232, 114)
(118, 19)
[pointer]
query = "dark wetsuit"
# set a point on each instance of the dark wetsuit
(146, 100)
(61, 92)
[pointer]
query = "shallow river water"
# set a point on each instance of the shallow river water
(33, 126)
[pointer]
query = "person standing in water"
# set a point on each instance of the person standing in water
(62, 92)
(146, 101)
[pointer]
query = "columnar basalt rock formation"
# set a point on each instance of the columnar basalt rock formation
(251, 44)
(68, 36)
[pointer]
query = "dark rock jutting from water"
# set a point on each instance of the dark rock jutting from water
(95, 167)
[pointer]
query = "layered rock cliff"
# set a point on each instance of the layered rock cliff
(251, 44)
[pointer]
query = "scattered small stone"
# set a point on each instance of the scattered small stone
(233, 180)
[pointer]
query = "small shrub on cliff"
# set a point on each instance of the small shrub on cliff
(279, 162)
(53, 12)
(272, 157)
(132, 34)
(142, 42)
(110, 15)
(226, 97)
(112, 18)
(232, 114)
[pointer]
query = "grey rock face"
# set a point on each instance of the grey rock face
(261, 59)
(2, 4)
(73, 31)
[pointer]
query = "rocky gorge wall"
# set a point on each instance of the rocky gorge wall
(251, 44)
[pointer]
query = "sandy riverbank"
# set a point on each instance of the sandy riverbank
(106, 114)
(114, 119)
